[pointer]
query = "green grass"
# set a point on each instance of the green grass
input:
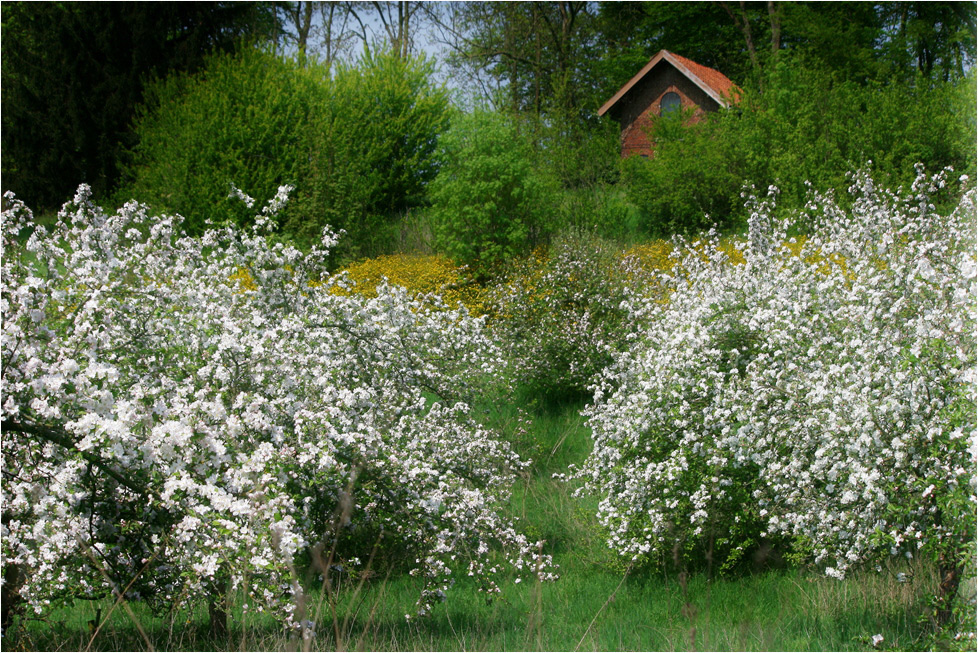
(587, 609)
(597, 604)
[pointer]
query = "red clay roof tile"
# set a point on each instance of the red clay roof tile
(713, 78)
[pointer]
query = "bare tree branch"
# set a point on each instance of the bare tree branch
(61, 438)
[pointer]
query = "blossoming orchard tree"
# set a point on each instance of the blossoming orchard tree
(821, 393)
(184, 417)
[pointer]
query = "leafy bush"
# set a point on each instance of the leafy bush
(357, 142)
(694, 180)
(806, 127)
(584, 161)
(564, 314)
(821, 394)
(490, 202)
(373, 146)
(243, 121)
(603, 210)
(186, 416)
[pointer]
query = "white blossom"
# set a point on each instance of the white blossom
(826, 389)
(214, 406)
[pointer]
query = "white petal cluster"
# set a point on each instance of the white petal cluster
(184, 414)
(822, 392)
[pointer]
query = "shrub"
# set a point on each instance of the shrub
(186, 416)
(584, 162)
(490, 203)
(694, 180)
(821, 394)
(807, 127)
(244, 121)
(421, 276)
(603, 209)
(563, 314)
(357, 142)
(373, 146)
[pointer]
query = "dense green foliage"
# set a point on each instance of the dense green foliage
(859, 40)
(831, 86)
(583, 159)
(372, 149)
(244, 120)
(357, 142)
(74, 73)
(490, 201)
(808, 127)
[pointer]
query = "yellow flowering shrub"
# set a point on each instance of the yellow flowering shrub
(420, 275)
(732, 248)
(437, 274)
(654, 256)
(244, 280)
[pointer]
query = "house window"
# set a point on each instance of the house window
(669, 102)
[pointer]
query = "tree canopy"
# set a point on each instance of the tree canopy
(74, 73)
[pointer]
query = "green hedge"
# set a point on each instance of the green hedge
(807, 126)
(356, 141)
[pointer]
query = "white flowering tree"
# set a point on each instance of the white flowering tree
(183, 417)
(822, 393)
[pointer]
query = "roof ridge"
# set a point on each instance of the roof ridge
(710, 76)
(711, 81)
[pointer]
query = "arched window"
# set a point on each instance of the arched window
(669, 102)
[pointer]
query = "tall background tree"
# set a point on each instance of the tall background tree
(538, 54)
(73, 74)
(929, 38)
(859, 40)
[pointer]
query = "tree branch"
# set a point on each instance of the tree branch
(62, 439)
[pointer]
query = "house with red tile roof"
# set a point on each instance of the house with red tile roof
(668, 82)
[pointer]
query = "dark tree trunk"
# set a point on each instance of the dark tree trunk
(217, 609)
(947, 591)
(742, 21)
(13, 579)
(776, 13)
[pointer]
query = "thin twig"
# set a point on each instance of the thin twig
(121, 596)
(611, 597)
